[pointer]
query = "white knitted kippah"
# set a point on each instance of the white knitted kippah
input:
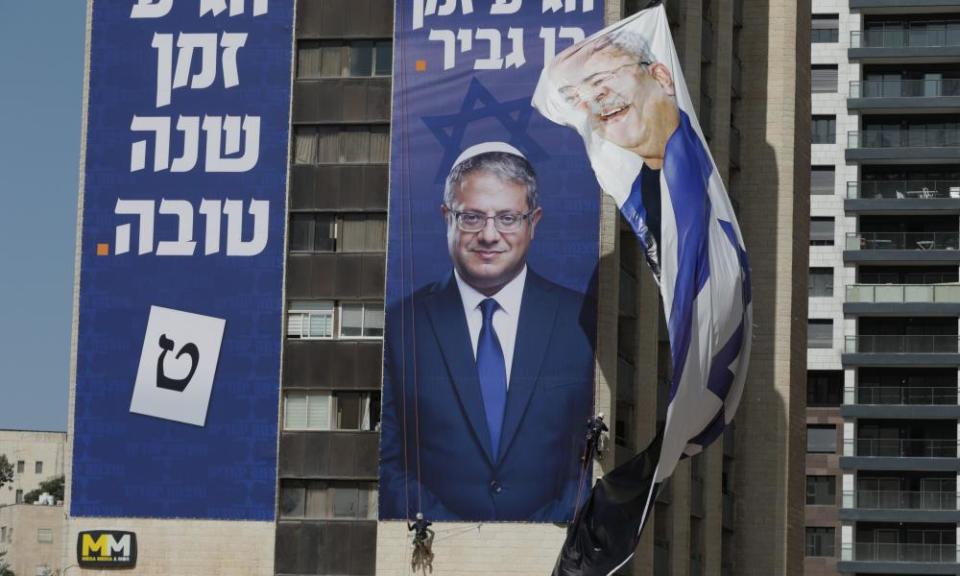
(483, 148)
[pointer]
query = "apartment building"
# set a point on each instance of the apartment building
(882, 417)
(734, 510)
(35, 457)
(702, 524)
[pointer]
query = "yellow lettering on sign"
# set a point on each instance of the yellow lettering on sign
(91, 547)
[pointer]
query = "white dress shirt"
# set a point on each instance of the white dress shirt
(505, 318)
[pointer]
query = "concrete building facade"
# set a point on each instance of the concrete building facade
(32, 539)
(882, 419)
(734, 510)
(35, 457)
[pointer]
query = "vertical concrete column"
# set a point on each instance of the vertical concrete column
(849, 499)
(849, 438)
(773, 188)
(680, 485)
(607, 324)
(846, 542)
(849, 385)
(645, 392)
(687, 41)
(713, 509)
(720, 82)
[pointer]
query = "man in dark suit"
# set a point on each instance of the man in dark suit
(488, 373)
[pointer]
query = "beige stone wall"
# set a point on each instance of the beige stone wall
(20, 537)
(461, 549)
(773, 188)
(186, 547)
(30, 448)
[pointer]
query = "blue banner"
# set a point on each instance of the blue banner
(491, 268)
(184, 200)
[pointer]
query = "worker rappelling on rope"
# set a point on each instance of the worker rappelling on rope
(596, 438)
(422, 558)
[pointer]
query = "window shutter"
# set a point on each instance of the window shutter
(823, 78)
(295, 411)
(318, 411)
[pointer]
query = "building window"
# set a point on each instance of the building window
(824, 130)
(326, 410)
(819, 333)
(318, 320)
(825, 28)
(312, 232)
(340, 58)
(824, 388)
(821, 490)
(319, 499)
(821, 282)
(18, 498)
(823, 77)
(821, 439)
(821, 231)
(38, 467)
(357, 410)
(21, 466)
(822, 179)
(365, 144)
(44, 535)
(310, 320)
(306, 411)
(820, 541)
(361, 320)
(325, 232)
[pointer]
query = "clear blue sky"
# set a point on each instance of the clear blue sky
(41, 82)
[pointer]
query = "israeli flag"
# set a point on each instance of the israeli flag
(622, 89)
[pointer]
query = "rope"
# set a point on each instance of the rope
(407, 281)
(401, 75)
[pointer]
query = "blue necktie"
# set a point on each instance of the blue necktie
(493, 374)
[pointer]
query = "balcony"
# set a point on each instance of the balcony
(902, 499)
(908, 248)
(902, 396)
(902, 344)
(906, 42)
(895, 6)
(923, 553)
(931, 142)
(903, 299)
(903, 448)
(905, 190)
(921, 241)
(905, 95)
(903, 293)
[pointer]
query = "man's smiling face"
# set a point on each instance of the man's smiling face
(621, 96)
(487, 260)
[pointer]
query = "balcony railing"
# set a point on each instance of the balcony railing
(903, 240)
(903, 395)
(904, 189)
(874, 552)
(904, 293)
(898, 448)
(903, 500)
(917, 136)
(901, 344)
(905, 88)
(926, 35)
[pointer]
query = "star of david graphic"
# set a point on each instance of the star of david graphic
(480, 104)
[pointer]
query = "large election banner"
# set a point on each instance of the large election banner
(184, 200)
(491, 270)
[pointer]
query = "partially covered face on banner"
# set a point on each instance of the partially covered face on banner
(488, 375)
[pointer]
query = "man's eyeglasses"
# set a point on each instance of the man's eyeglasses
(505, 222)
(590, 85)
